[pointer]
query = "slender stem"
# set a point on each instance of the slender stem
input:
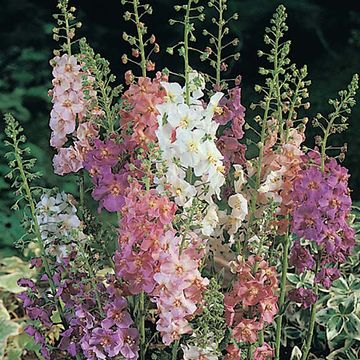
(174, 351)
(139, 27)
(219, 44)
(261, 337)
(284, 269)
(37, 230)
(67, 27)
(81, 194)
(277, 82)
(254, 197)
(92, 277)
(186, 55)
(142, 325)
(309, 337)
(250, 352)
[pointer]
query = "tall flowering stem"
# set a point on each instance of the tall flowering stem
(342, 107)
(281, 301)
(138, 42)
(186, 52)
(277, 30)
(140, 37)
(13, 130)
(214, 52)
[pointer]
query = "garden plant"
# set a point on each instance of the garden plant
(197, 231)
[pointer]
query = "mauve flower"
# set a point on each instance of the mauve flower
(326, 276)
(130, 343)
(246, 330)
(116, 315)
(106, 339)
(232, 352)
(301, 258)
(263, 352)
(110, 192)
(305, 297)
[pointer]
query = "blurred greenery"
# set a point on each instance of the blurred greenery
(325, 36)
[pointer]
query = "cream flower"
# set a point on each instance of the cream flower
(239, 206)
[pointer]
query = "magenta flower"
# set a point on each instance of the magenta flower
(305, 297)
(110, 192)
(326, 276)
(301, 258)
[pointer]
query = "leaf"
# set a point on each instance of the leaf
(13, 264)
(336, 300)
(349, 305)
(8, 282)
(3, 311)
(340, 286)
(293, 278)
(7, 328)
(292, 332)
(323, 316)
(334, 327)
(13, 354)
(352, 326)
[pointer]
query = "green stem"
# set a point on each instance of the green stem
(140, 38)
(174, 351)
(142, 326)
(186, 54)
(67, 27)
(92, 277)
(254, 197)
(249, 353)
(284, 268)
(261, 337)
(277, 83)
(219, 45)
(37, 230)
(81, 194)
(307, 345)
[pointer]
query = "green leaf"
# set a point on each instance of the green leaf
(349, 305)
(293, 278)
(8, 328)
(292, 332)
(323, 316)
(8, 282)
(340, 286)
(352, 326)
(336, 300)
(13, 354)
(334, 327)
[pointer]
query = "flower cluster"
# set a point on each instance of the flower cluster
(180, 285)
(139, 115)
(59, 224)
(252, 302)
(231, 116)
(322, 206)
(68, 114)
(186, 136)
(281, 167)
(145, 218)
(101, 162)
(101, 333)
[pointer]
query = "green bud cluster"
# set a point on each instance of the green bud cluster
(66, 26)
(137, 42)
